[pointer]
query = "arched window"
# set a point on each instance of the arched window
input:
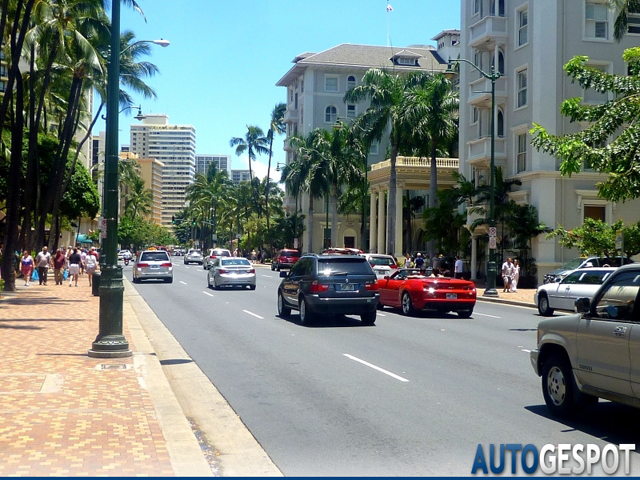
(500, 123)
(351, 82)
(500, 62)
(331, 114)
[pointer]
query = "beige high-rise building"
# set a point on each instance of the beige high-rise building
(151, 173)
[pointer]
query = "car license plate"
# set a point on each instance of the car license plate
(347, 287)
(155, 266)
(452, 296)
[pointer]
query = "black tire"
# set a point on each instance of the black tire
(369, 318)
(168, 280)
(558, 386)
(380, 306)
(407, 304)
(273, 267)
(306, 316)
(252, 287)
(543, 306)
(283, 310)
(465, 313)
(135, 280)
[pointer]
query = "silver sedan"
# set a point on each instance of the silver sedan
(193, 256)
(231, 271)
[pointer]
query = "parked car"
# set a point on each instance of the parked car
(212, 255)
(596, 352)
(231, 271)
(329, 284)
(193, 256)
(285, 258)
(383, 265)
(153, 264)
(584, 262)
(583, 282)
(411, 290)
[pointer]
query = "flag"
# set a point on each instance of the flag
(389, 8)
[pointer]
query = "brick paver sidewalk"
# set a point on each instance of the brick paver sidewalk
(61, 412)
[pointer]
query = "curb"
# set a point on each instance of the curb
(237, 452)
(507, 302)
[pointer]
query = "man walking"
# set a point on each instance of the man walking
(507, 274)
(458, 268)
(43, 260)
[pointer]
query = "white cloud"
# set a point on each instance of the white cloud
(259, 167)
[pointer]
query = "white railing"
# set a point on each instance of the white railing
(488, 26)
(451, 163)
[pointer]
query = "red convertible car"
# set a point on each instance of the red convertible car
(411, 290)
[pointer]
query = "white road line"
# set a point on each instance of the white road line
(207, 293)
(184, 283)
(485, 315)
(386, 372)
(268, 276)
(525, 350)
(250, 313)
(381, 315)
(174, 264)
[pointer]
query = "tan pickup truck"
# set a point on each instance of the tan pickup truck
(595, 353)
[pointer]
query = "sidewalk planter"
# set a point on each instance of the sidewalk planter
(95, 286)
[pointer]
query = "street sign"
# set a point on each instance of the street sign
(493, 232)
(103, 228)
(214, 237)
(238, 236)
(619, 240)
(492, 242)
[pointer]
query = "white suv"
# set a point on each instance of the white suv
(596, 353)
(214, 253)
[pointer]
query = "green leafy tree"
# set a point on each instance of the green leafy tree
(254, 143)
(593, 237)
(609, 144)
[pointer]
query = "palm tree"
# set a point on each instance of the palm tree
(253, 142)
(139, 199)
(386, 93)
(293, 178)
(276, 126)
(624, 8)
(432, 111)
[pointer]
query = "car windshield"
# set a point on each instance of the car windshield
(234, 261)
(573, 264)
(194, 252)
(154, 257)
(289, 254)
(382, 261)
(221, 253)
(343, 266)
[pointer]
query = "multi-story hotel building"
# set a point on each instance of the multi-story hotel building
(151, 173)
(175, 147)
(316, 85)
(222, 162)
(238, 176)
(528, 43)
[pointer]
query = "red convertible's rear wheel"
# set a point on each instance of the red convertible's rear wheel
(407, 304)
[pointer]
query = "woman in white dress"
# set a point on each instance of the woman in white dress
(515, 276)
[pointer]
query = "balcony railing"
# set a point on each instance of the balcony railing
(450, 163)
(480, 92)
(488, 31)
(290, 116)
(480, 149)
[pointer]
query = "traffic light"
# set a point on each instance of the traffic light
(173, 219)
(194, 223)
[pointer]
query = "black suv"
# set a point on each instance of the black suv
(329, 284)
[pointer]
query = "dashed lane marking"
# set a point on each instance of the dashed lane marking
(207, 293)
(184, 283)
(375, 367)
(485, 315)
(251, 313)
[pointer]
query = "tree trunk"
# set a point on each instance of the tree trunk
(334, 217)
(433, 192)
(266, 190)
(391, 213)
(13, 201)
(310, 225)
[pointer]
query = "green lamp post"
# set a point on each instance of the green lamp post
(490, 290)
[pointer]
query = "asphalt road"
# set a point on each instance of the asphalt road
(408, 396)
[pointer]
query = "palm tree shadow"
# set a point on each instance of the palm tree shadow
(612, 422)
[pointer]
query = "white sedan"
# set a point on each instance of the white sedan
(231, 272)
(581, 283)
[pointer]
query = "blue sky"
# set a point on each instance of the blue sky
(225, 57)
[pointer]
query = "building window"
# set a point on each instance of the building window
(375, 145)
(331, 84)
(351, 111)
(500, 11)
(331, 114)
(596, 24)
(351, 82)
(522, 153)
(475, 115)
(633, 23)
(500, 124)
(521, 100)
(477, 5)
(406, 61)
(590, 95)
(500, 62)
(290, 94)
(597, 212)
(523, 24)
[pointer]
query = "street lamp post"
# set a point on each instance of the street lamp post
(490, 290)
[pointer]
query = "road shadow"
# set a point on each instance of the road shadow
(425, 314)
(19, 327)
(612, 422)
(32, 301)
(41, 320)
(327, 321)
(175, 361)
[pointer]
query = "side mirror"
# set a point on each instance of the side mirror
(583, 305)
(387, 277)
(284, 274)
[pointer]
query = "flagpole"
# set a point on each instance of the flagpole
(388, 36)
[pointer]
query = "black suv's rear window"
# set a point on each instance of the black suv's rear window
(350, 266)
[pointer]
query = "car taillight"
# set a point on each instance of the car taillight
(168, 264)
(319, 287)
(142, 265)
(371, 285)
(252, 270)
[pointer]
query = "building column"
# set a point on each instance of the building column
(474, 257)
(373, 230)
(380, 247)
(399, 190)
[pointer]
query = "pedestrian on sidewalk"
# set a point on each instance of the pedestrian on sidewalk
(507, 275)
(26, 267)
(419, 261)
(515, 276)
(74, 267)
(43, 261)
(59, 262)
(92, 264)
(83, 260)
